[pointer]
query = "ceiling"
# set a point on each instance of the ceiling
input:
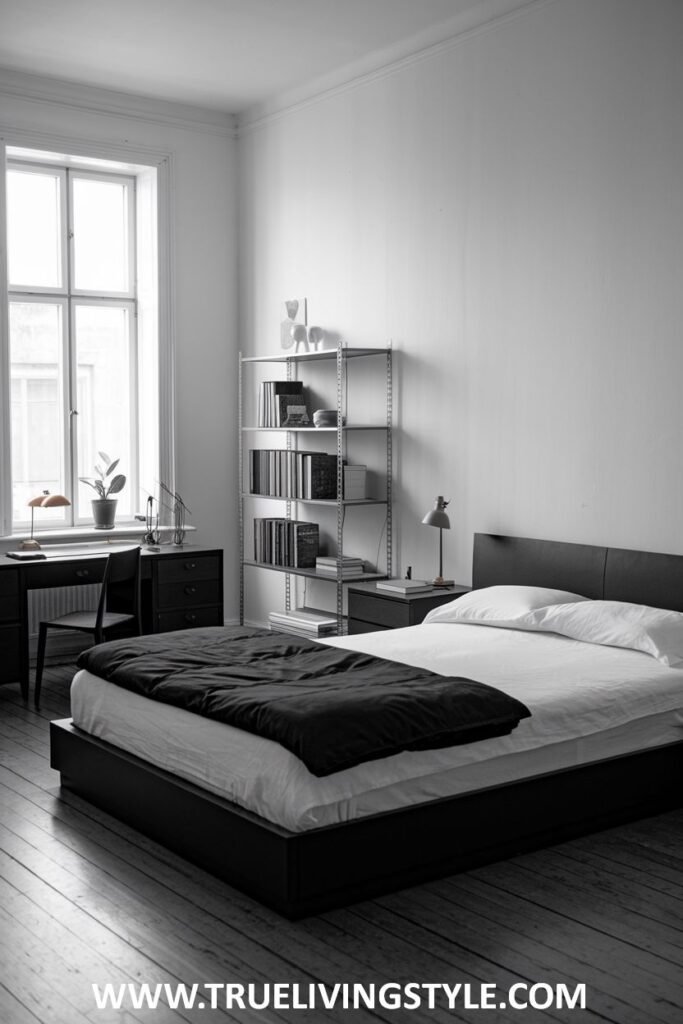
(227, 55)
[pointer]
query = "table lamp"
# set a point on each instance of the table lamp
(437, 517)
(44, 500)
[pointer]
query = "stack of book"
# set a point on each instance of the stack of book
(404, 586)
(286, 542)
(282, 403)
(282, 473)
(304, 622)
(350, 567)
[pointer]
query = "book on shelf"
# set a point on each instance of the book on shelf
(275, 397)
(283, 473)
(304, 622)
(287, 543)
(399, 586)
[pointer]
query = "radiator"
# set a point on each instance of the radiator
(54, 601)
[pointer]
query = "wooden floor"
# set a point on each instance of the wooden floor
(85, 899)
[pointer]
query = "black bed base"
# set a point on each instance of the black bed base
(299, 874)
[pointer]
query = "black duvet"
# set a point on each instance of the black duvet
(331, 707)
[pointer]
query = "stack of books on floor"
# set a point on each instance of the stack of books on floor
(350, 567)
(404, 586)
(308, 622)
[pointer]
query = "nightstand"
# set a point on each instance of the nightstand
(371, 609)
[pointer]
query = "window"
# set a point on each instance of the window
(77, 249)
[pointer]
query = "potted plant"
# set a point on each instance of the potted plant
(104, 506)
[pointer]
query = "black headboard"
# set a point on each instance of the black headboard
(610, 574)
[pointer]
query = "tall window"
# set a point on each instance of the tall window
(73, 343)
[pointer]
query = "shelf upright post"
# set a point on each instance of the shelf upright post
(340, 488)
(240, 498)
(389, 459)
(288, 504)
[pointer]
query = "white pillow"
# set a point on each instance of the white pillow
(500, 606)
(654, 631)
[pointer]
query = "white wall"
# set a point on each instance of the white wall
(201, 151)
(509, 210)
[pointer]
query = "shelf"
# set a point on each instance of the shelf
(331, 502)
(310, 357)
(313, 574)
(316, 430)
(336, 439)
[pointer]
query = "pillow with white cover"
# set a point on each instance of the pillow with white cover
(655, 631)
(500, 606)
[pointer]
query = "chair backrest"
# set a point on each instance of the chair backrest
(121, 585)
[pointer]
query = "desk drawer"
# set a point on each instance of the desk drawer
(9, 583)
(9, 596)
(188, 618)
(188, 593)
(188, 567)
(9, 608)
(10, 654)
(64, 574)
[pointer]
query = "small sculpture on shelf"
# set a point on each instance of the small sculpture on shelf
(296, 315)
(310, 338)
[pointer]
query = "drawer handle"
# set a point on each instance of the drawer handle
(190, 618)
(190, 590)
(82, 573)
(190, 565)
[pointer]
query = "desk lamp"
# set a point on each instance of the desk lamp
(44, 500)
(437, 517)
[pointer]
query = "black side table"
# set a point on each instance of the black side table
(370, 608)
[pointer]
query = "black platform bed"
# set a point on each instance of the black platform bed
(304, 873)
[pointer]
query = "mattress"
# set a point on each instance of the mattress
(587, 702)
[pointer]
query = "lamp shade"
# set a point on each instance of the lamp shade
(437, 516)
(51, 501)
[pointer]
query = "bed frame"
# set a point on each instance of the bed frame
(304, 873)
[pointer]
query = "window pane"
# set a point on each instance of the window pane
(103, 353)
(33, 226)
(37, 418)
(100, 219)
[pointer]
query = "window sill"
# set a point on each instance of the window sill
(86, 533)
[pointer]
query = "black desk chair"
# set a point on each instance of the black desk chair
(118, 607)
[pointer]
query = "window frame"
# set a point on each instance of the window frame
(52, 299)
(132, 473)
(73, 174)
(153, 170)
(32, 167)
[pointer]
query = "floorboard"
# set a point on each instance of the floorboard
(85, 899)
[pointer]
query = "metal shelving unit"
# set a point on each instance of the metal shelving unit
(341, 354)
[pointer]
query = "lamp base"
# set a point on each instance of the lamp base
(439, 581)
(29, 545)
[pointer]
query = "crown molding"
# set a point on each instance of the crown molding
(484, 16)
(108, 102)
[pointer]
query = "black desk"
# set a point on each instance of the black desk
(180, 588)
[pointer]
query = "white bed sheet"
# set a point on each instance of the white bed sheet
(587, 702)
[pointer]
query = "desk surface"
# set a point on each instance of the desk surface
(80, 552)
